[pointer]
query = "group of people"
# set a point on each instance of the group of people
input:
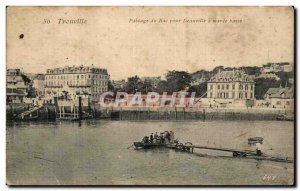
(162, 138)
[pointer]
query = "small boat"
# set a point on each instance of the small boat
(142, 145)
(254, 140)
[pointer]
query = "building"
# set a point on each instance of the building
(88, 81)
(268, 75)
(280, 97)
(39, 84)
(118, 84)
(277, 67)
(153, 81)
(288, 68)
(198, 81)
(16, 86)
(234, 87)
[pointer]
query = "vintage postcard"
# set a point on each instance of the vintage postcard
(150, 96)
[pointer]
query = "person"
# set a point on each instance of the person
(167, 137)
(155, 137)
(172, 137)
(146, 139)
(151, 138)
(161, 138)
(258, 148)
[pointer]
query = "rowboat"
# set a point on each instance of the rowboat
(142, 145)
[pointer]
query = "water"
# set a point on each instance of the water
(95, 153)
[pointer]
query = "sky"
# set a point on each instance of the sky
(110, 39)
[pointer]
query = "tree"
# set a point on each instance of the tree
(251, 70)
(263, 84)
(177, 80)
(146, 87)
(217, 69)
(110, 87)
(200, 89)
(133, 84)
(162, 86)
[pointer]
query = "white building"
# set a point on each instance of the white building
(280, 97)
(288, 68)
(39, 84)
(234, 87)
(90, 81)
(16, 86)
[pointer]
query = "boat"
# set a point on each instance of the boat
(142, 145)
(254, 140)
(189, 147)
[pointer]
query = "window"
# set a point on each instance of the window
(278, 103)
(211, 86)
(226, 95)
(246, 95)
(251, 87)
(288, 103)
(233, 95)
(227, 86)
(222, 86)
(241, 87)
(251, 95)
(233, 86)
(218, 88)
(210, 94)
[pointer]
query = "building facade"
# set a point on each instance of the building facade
(74, 81)
(38, 83)
(154, 81)
(16, 86)
(280, 98)
(231, 85)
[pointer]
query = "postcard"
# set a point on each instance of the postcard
(152, 96)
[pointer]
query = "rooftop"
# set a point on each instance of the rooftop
(231, 76)
(77, 69)
(285, 93)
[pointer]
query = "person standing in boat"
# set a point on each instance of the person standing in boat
(167, 137)
(161, 138)
(151, 138)
(258, 146)
(172, 137)
(155, 137)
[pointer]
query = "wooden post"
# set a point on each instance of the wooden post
(80, 108)
(74, 111)
(120, 114)
(183, 113)
(148, 113)
(47, 112)
(59, 107)
(175, 113)
(203, 114)
(63, 111)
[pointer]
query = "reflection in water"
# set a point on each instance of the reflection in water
(95, 152)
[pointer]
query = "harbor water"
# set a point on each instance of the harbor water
(95, 152)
